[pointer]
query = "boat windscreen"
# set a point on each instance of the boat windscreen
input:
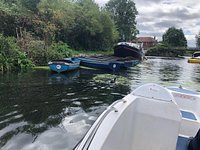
(196, 54)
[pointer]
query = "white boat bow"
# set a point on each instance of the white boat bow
(150, 118)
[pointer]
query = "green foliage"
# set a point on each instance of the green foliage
(81, 23)
(11, 58)
(109, 78)
(37, 52)
(30, 4)
(40, 54)
(93, 28)
(166, 51)
(198, 40)
(59, 50)
(40, 25)
(175, 38)
(124, 14)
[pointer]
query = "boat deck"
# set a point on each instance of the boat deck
(111, 58)
(186, 91)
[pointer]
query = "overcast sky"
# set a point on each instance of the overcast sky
(156, 16)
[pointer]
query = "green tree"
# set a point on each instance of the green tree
(39, 24)
(175, 37)
(166, 51)
(124, 14)
(93, 28)
(198, 40)
(31, 5)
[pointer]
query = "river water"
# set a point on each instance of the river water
(44, 111)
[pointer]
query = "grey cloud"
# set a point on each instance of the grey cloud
(179, 13)
(168, 23)
(145, 2)
(146, 27)
(145, 18)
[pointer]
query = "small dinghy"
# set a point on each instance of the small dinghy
(195, 58)
(63, 65)
(150, 118)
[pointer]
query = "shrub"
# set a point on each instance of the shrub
(166, 51)
(40, 55)
(37, 52)
(11, 58)
(59, 50)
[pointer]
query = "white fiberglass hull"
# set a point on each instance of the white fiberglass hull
(148, 118)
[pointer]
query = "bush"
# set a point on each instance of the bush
(11, 58)
(166, 51)
(36, 52)
(59, 50)
(40, 55)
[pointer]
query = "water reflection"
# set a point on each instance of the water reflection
(35, 107)
(40, 110)
(169, 72)
(196, 73)
(63, 78)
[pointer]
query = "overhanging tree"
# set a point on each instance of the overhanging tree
(174, 37)
(124, 14)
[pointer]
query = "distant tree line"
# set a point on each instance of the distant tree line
(50, 29)
(174, 44)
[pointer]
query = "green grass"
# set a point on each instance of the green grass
(41, 67)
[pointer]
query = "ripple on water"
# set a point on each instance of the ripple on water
(74, 106)
(66, 135)
(76, 103)
(70, 94)
(11, 127)
(10, 114)
(10, 118)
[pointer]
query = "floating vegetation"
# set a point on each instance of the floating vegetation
(41, 67)
(110, 79)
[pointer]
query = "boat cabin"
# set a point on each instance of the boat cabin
(196, 55)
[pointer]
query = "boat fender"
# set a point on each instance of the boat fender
(58, 67)
(195, 142)
(114, 66)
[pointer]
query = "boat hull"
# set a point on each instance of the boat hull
(108, 64)
(193, 60)
(64, 65)
(126, 51)
(148, 118)
(114, 66)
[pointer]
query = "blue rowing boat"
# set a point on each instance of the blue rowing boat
(63, 65)
(108, 62)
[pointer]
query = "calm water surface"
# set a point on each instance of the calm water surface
(44, 111)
